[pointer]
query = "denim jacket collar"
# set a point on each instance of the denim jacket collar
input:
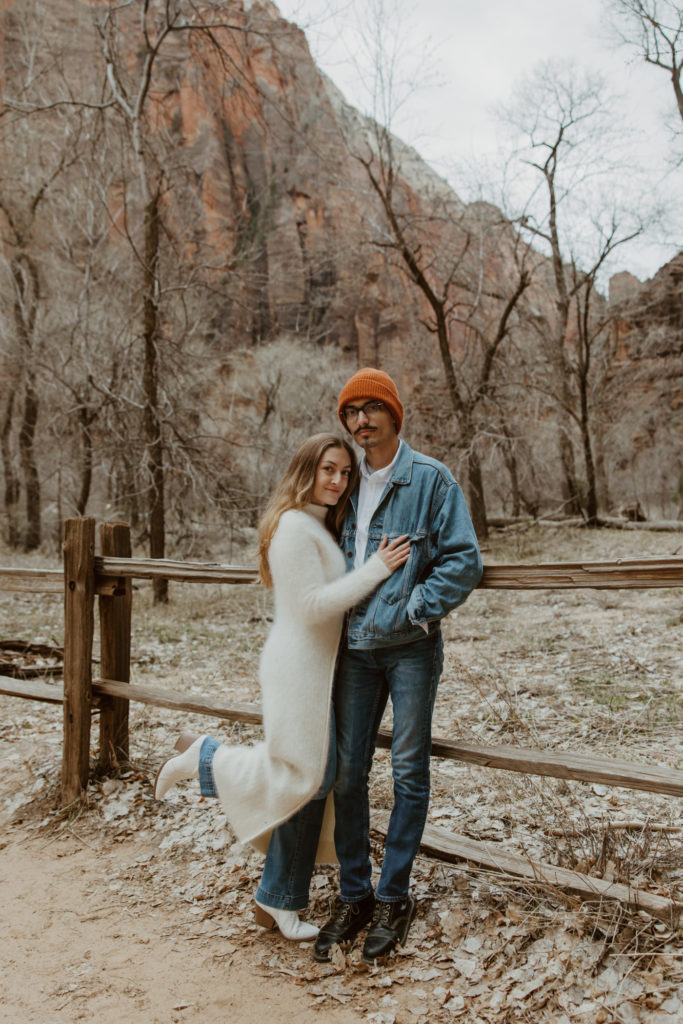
(403, 470)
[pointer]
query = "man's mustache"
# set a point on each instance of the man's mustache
(358, 430)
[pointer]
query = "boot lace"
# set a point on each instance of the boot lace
(344, 915)
(382, 914)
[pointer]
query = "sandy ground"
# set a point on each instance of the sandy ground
(72, 953)
(127, 909)
(100, 926)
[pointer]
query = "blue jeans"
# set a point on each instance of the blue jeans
(409, 674)
(290, 860)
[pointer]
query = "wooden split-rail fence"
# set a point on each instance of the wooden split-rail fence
(109, 578)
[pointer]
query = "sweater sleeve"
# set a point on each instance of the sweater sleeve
(296, 568)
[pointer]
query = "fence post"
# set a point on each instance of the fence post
(79, 600)
(115, 618)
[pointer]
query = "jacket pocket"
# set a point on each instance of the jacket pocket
(401, 583)
(394, 594)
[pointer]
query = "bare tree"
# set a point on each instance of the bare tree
(34, 158)
(654, 29)
(136, 38)
(466, 298)
(564, 121)
(150, 281)
(443, 250)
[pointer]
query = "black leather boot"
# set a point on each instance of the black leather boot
(344, 925)
(389, 928)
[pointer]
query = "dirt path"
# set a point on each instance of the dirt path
(73, 953)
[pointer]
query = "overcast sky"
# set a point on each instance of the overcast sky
(477, 52)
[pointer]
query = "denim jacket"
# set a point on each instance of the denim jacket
(423, 500)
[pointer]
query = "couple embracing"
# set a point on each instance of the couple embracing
(364, 562)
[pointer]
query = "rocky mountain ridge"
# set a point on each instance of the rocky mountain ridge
(259, 162)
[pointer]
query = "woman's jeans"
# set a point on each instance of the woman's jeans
(290, 859)
(409, 674)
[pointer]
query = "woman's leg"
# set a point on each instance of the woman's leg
(186, 765)
(208, 749)
(290, 859)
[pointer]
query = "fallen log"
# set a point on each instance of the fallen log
(31, 648)
(451, 847)
(662, 525)
(25, 667)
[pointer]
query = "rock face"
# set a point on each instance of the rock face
(280, 206)
(258, 160)
(649, 328)
(647, 375)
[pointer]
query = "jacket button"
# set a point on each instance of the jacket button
(349, 554)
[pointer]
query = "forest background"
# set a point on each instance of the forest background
(201, 240)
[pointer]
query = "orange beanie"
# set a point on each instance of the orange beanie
(370, 383)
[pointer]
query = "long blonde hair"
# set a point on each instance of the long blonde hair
(296, 489)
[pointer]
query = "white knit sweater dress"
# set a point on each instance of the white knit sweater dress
(264, 785)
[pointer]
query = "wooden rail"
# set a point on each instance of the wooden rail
(108, 577)
(112, 572)
(647, 572)
(437, 842)
(169, 569)
(32, 581)
(31, 689)
(557, 764)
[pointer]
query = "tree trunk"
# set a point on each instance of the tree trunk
(86, 462)
(475, 490)
(26, 297)
(601, 478)
(12, 485)
(27, 434)
(591, 482)
(510, 460)
(570, 487)
(153, 435)
(591, 486)
(476, 494)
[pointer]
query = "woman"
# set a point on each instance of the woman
(274, 793)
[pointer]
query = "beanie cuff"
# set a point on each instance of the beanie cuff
(370, 383)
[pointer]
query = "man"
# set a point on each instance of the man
(392, 648)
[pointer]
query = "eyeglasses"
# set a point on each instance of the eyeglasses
(351, 413)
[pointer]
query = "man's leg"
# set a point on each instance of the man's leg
(413, 672)
(359, 700)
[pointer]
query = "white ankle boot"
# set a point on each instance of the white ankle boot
(184, 765)
(287, 921)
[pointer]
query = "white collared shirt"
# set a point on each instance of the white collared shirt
(371, 488)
